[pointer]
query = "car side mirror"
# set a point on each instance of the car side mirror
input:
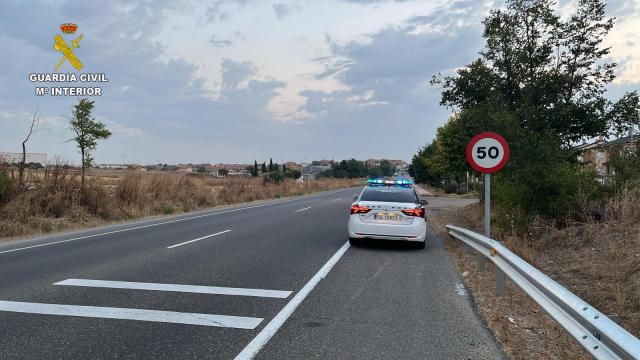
(424, 202)
(355, 198)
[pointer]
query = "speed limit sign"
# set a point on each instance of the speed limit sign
(487, 152)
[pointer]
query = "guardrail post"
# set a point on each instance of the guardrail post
(481, 262)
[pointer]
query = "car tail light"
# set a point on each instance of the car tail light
(357, 209)
(418, 212)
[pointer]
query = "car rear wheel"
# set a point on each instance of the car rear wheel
(355, 241)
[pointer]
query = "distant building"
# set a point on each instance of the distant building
(598, 153)
(312, 171)
(113, 166)
(322, 162)
(14, 158)
(185, 169)
(239, 173)
(376, 162)
(292, 165)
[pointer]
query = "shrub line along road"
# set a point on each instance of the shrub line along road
(274, 279)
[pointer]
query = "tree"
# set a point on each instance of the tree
(270, 165)
(387, 168)
(625, 114)
(34, 123)
(88, 131)
(264, 168)
(625, 163)
(548, 71)
(223, 172)
(255, 168)
(284, 167)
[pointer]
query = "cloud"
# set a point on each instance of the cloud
(366, 2)
(623, 38)
(389, 99)
(118, 129)
(217, 42)
(233, 73)
(219, 10)
(281, 10)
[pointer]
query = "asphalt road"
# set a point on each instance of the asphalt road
(226, 283)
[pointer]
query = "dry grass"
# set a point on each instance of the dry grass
(53, 199)
(599, 261)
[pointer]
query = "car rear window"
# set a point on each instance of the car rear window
(389, 194)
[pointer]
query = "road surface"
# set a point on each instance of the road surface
(273, 279)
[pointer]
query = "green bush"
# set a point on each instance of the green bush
(551, 191)
(626, 165)
(168, 209)
(294, 174)
(272, 177)
(450, 187)
(4, 183)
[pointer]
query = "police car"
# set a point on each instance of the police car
(388, 210)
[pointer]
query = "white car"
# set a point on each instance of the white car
(388, 210)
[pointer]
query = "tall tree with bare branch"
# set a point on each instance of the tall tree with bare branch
(34, 124)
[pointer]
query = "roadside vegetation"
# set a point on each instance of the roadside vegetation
(53, 198)
(541, 82)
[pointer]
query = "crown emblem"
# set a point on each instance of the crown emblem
(69, 28)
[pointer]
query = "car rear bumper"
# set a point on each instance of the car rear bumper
(417, 231)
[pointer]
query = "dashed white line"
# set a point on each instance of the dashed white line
(199, 289)
(237, 322)
(307, 208)
(198, 239)
(276, 323)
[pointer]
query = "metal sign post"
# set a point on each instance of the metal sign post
(488, 152)
(487, 205)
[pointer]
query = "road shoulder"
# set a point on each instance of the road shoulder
(387, 301)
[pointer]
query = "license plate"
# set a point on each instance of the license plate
(386, 216)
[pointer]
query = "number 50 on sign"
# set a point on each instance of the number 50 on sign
(487, 152)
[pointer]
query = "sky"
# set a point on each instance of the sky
(233, 81)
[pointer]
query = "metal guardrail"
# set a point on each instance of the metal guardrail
(595, 332)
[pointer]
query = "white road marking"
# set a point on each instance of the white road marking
(236, 322)
(214, 290)
(461, 290)
(307, 208)
(337, 199)
(276, 323)
(164, 222)
(198, 239)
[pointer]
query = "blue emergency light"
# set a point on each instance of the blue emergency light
(399, 182)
